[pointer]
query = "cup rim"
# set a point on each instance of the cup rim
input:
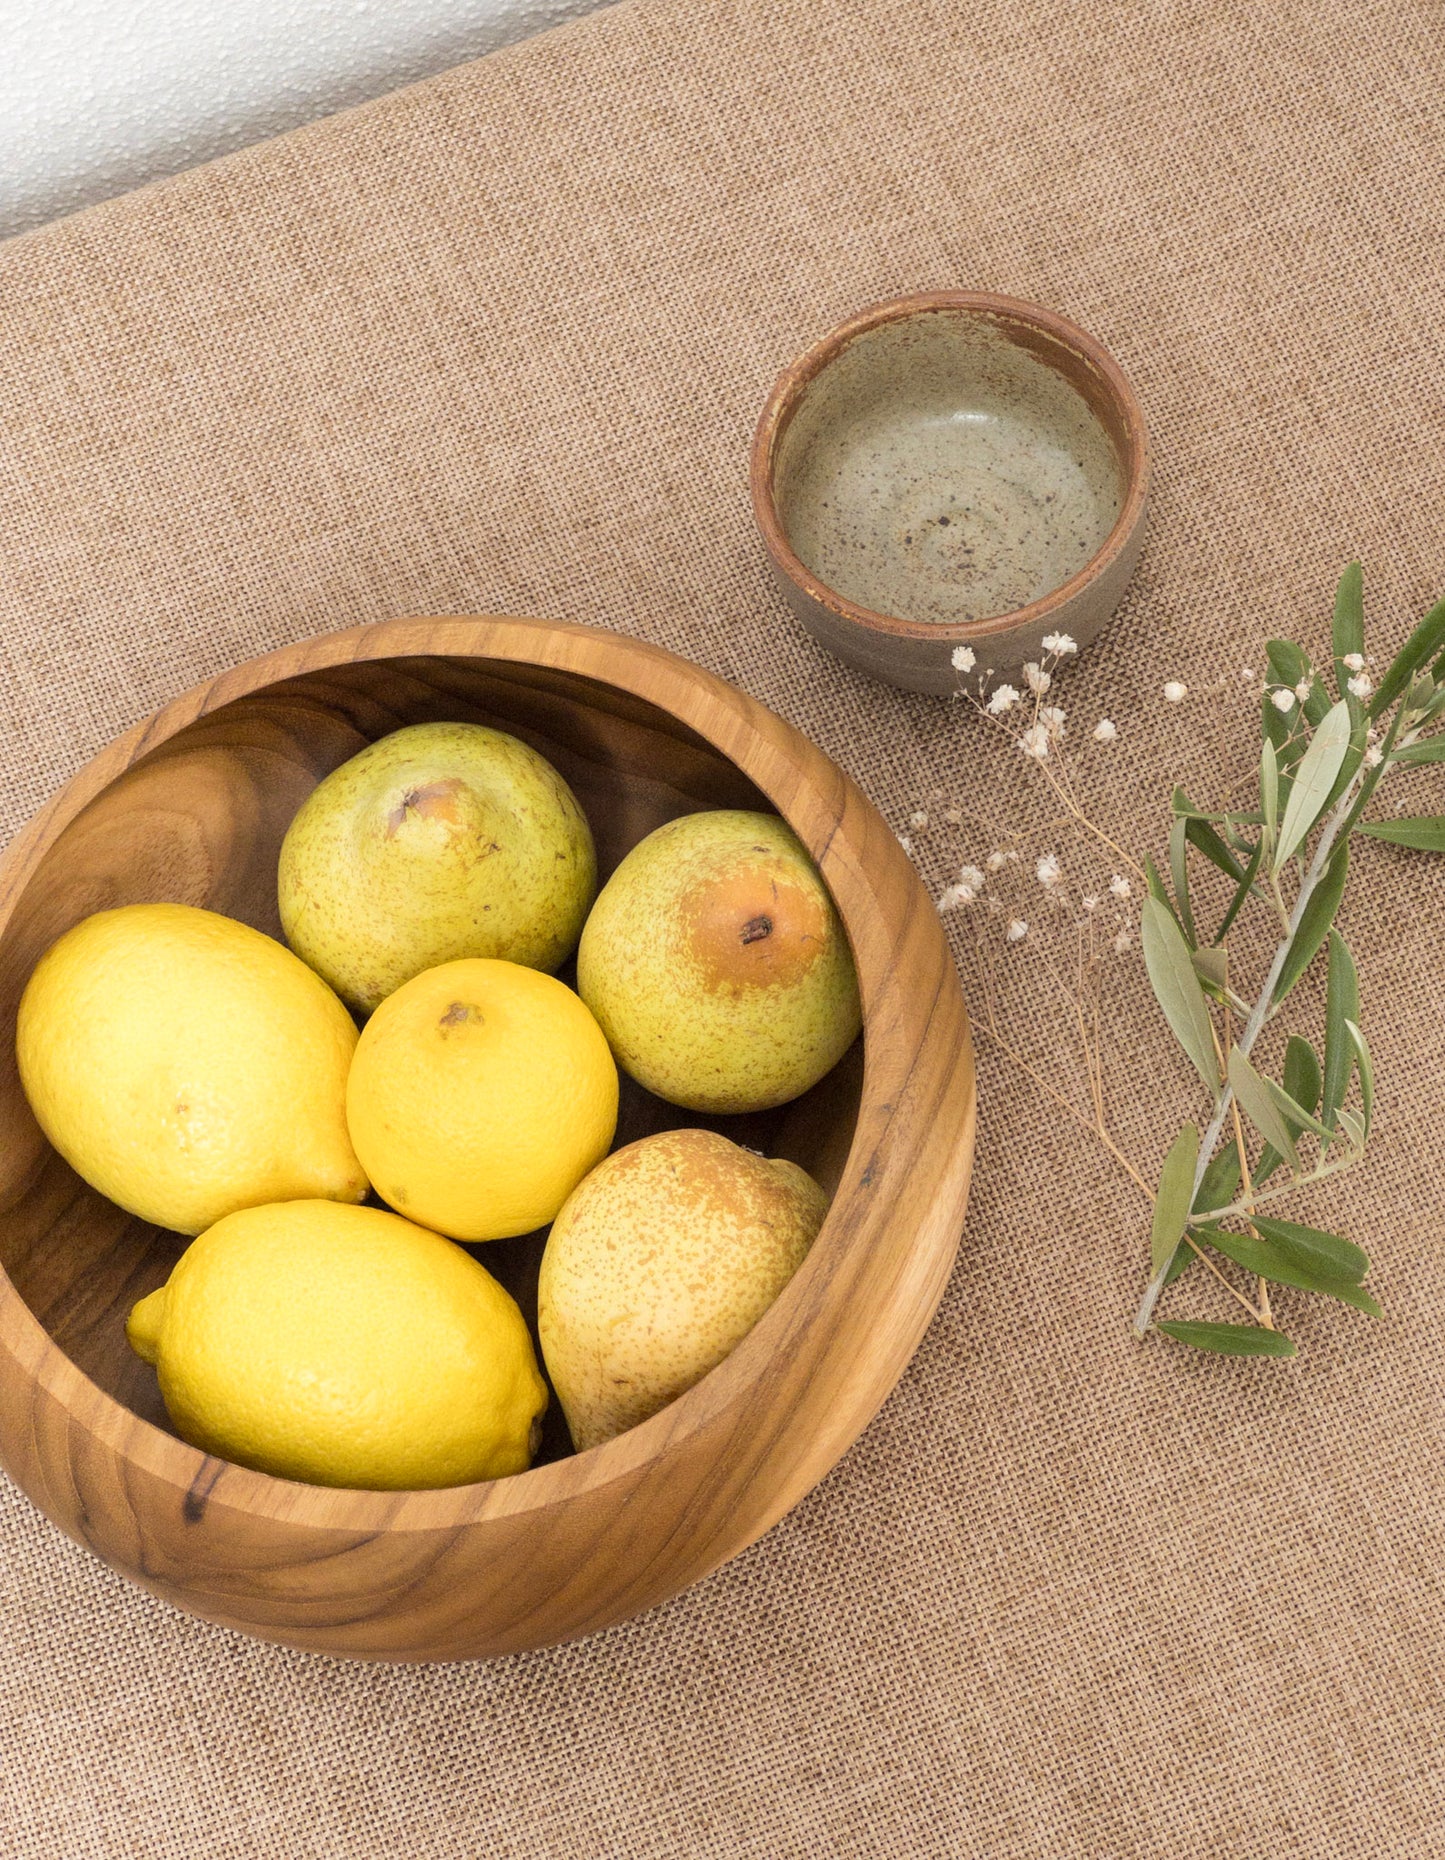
(787, 396)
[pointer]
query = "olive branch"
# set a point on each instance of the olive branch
(1281, 859)
(1321, 764)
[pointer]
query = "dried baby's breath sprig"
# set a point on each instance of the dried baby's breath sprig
(1283, 858)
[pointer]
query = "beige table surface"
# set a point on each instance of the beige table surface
(498, 342)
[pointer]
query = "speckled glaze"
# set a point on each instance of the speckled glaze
(957, 468)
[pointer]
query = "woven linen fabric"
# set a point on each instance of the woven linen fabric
(497, 342)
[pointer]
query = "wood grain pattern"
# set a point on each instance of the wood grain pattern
(192, 806)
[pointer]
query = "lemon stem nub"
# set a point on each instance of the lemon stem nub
(143, 1326)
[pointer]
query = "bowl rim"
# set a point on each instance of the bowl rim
(755, 742)
(787, 396)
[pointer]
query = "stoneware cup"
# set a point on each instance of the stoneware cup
(951, 469)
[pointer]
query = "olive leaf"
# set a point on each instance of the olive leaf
(1184, 1258)
(1413, 754)
(1211, 965)
(1228, 1339)
(1314, 923)
(1301, 1073)
(1314, 781)
(1425, 833)
(1329, 1255)
(1160, 891)
(1258, 1105)
(1302, 1082)
(1438, 700)
(1367, 1071)
(1220, 1181)
(1281, 1267)
(1348, 627)
(1179, 873)
(1171, 1204)
(1423, 644)
(1269, 786)
(1176, 987)
(1297, 1118)
(1342, 1008)
(1205, 840)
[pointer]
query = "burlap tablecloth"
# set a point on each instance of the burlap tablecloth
(497, 342)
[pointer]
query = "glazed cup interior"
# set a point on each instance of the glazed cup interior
(949, 464)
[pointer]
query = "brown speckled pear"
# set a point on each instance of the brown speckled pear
(658, 1266)
(717, 967)
(192, 806)
(439, 841)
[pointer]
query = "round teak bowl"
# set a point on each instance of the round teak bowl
(192, 806)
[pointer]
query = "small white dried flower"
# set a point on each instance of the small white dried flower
(1282, 699)
(963, 659)
(1175, 691)
(918, 819)
(1354, 661)
(905, 842)
(1035, 741)
(1361, 685)
(1060, 644)
(1122, 942)
(1119, 886)
(1048, 872)
(953, 816)
(1091, 903)
(1052, 718)
(1004, 698)
(1017, 930)
(1303, 688)
(996, 861)
(954, 896)
(971, 879)
(1105, 731)
(1037, 679)
(1374, 756)
(1246, 672)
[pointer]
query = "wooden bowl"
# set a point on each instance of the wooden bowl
(951, 469)
(192, 806)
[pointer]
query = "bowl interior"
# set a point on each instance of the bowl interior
(949, 465)
(199, 820)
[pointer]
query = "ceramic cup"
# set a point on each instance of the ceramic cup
(952, 469)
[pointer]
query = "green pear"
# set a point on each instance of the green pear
(660, 1263)
(716, 964)
(439, 841)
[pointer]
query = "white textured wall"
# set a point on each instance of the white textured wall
(97, 96)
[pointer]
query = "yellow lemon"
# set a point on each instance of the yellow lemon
(343, 1346)
(186, 1065)
(480, 1095)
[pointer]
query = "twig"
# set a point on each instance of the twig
(1234, 1292)
(1011, 1053)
